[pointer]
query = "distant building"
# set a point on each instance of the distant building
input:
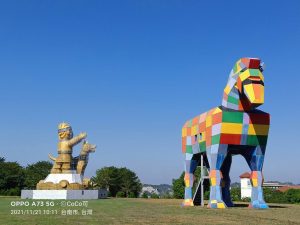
(273, 185)
(246, 187)
(149, 190)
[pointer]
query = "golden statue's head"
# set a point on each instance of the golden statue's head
(64, 131)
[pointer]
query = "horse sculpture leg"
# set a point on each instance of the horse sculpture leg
(216, 155)
(190, 167)
(255, 159)
(225, 183)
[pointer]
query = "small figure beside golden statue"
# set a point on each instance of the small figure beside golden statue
(68, 171)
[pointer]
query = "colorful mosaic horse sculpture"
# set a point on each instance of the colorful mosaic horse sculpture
(236, 127)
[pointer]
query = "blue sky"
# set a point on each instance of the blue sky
(130, 73)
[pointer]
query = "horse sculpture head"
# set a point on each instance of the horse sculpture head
(245, 87)
(87, 148)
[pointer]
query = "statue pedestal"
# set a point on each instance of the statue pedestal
(70, 177)
(63, 194)
(62, 181)
(63, 186)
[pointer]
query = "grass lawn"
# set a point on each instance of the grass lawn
(142, 211)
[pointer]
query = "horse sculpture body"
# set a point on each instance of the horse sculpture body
(235, 127)
(83, 158)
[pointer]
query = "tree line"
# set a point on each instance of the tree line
(14, 177)
(120, 182)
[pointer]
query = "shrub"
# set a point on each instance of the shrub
(246, 199)
(144, 195)
(274, 196)
(154, 195)
(293, 195)
(131, 195)
(235, 194)
(120, 194)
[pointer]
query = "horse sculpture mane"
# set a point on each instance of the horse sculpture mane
(235, 127)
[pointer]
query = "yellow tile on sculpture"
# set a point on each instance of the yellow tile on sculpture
(220, 206)
(227, 89)
(184, 132)
(244, 75)
(249, 91)
(194, 130)
(261, 76)
(217, 110)
(213, 181)
(208, 121)
(258, 129)
(231, 128)
(254, 183)
(187, 182)
(213, 201)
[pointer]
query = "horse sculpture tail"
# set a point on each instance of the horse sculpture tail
(52, 158)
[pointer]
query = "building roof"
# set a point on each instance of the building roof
(245, 175)
(273, 184)
(285, 188)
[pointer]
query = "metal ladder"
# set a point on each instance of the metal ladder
(203, 183)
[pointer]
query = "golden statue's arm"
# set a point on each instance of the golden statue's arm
(75, 140)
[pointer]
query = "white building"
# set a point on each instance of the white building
(246, 187)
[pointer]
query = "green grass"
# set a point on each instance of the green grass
(150, 211)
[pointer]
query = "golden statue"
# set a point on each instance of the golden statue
(62, 164)
(67, 172)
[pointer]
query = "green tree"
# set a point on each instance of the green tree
(11, 178)
(178, 187)
(118, 180)
(2, 159)
(36, 172)
(107, 178)
(197, 178)
(178, 184)
(130, 182)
